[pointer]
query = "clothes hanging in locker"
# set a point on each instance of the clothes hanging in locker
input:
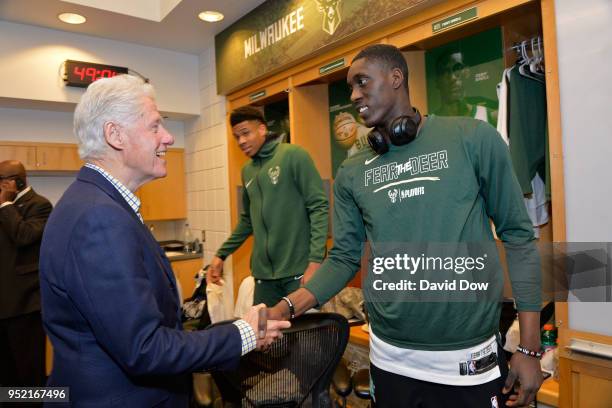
(529, 156)
(527, 128)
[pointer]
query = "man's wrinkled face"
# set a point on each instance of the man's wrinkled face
(250, 136)
(147, 143)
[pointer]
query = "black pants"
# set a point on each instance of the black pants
(270, 291)
(22, 351)
(396, 391)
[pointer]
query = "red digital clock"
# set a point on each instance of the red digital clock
(81, 74)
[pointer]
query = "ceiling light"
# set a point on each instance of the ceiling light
(72, 18)
(210, 16)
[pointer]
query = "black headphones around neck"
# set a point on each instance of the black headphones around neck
(402, 130)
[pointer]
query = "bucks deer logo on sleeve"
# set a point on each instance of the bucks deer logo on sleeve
(274, 173)
(331, 14)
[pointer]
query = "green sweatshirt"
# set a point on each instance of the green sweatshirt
(285, 208)
(441, 188)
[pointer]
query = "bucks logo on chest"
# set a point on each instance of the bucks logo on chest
(274, 174)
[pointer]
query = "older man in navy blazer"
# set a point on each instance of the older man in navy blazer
(109, 297)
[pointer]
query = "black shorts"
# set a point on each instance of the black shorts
(397, 391)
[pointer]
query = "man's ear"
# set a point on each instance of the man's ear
(114, 136)
(397, 78)
(262, 129)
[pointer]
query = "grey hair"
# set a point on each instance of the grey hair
(118, 100)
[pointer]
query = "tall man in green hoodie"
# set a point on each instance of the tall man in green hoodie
(428, 187)
(284, 207)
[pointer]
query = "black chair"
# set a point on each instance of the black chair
(295, 371)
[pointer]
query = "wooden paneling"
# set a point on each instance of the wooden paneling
(185, 272)
(554, 120)
(166, 198)
(42, 156)
(58, 158)
(48, 356)
(549, 393)
(310, 124)
(585, 382)
(25, 154)
(272, 91)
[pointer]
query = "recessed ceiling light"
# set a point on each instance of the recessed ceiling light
(72, 18)
(210, 16)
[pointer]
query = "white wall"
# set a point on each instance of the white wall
(30, 125)
(31, 59)
(207, 170)
(584, 39)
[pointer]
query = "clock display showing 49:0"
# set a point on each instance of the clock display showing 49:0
(81, 74)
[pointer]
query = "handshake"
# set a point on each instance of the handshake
(266, 331)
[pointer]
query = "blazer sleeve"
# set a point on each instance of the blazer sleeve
(113, 288)
(27, 229)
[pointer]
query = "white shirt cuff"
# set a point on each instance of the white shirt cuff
(4, 204)
(247, 336)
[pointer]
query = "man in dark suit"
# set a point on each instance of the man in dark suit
(110, 302)
(23, 215)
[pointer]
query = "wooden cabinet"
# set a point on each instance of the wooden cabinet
(585, 381)
(185, 272)
(58, 158)
(162, 199)
(166, 198)
(25, 154)
(48, 356)
(42, 156)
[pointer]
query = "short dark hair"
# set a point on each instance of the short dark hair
(246, 113)
(386, 54)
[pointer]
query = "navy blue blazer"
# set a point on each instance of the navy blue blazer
(111, 309)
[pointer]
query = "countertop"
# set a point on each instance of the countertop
(174, 256)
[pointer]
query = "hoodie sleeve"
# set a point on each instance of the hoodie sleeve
(242, 231)
(310, 186)
(344, 258)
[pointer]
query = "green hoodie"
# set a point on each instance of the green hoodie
(285, 208)
(440, 189)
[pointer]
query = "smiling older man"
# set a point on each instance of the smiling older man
(110, 304)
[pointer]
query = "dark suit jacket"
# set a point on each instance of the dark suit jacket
(21, 230)
(111, 309)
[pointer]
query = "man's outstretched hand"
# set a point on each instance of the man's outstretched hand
(266, 330)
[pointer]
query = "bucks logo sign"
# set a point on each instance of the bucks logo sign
(331, 14)
(264, 40)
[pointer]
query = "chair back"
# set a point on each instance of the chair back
(296, 371)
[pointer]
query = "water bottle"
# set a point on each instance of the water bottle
(549, 337)
(187, 239)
